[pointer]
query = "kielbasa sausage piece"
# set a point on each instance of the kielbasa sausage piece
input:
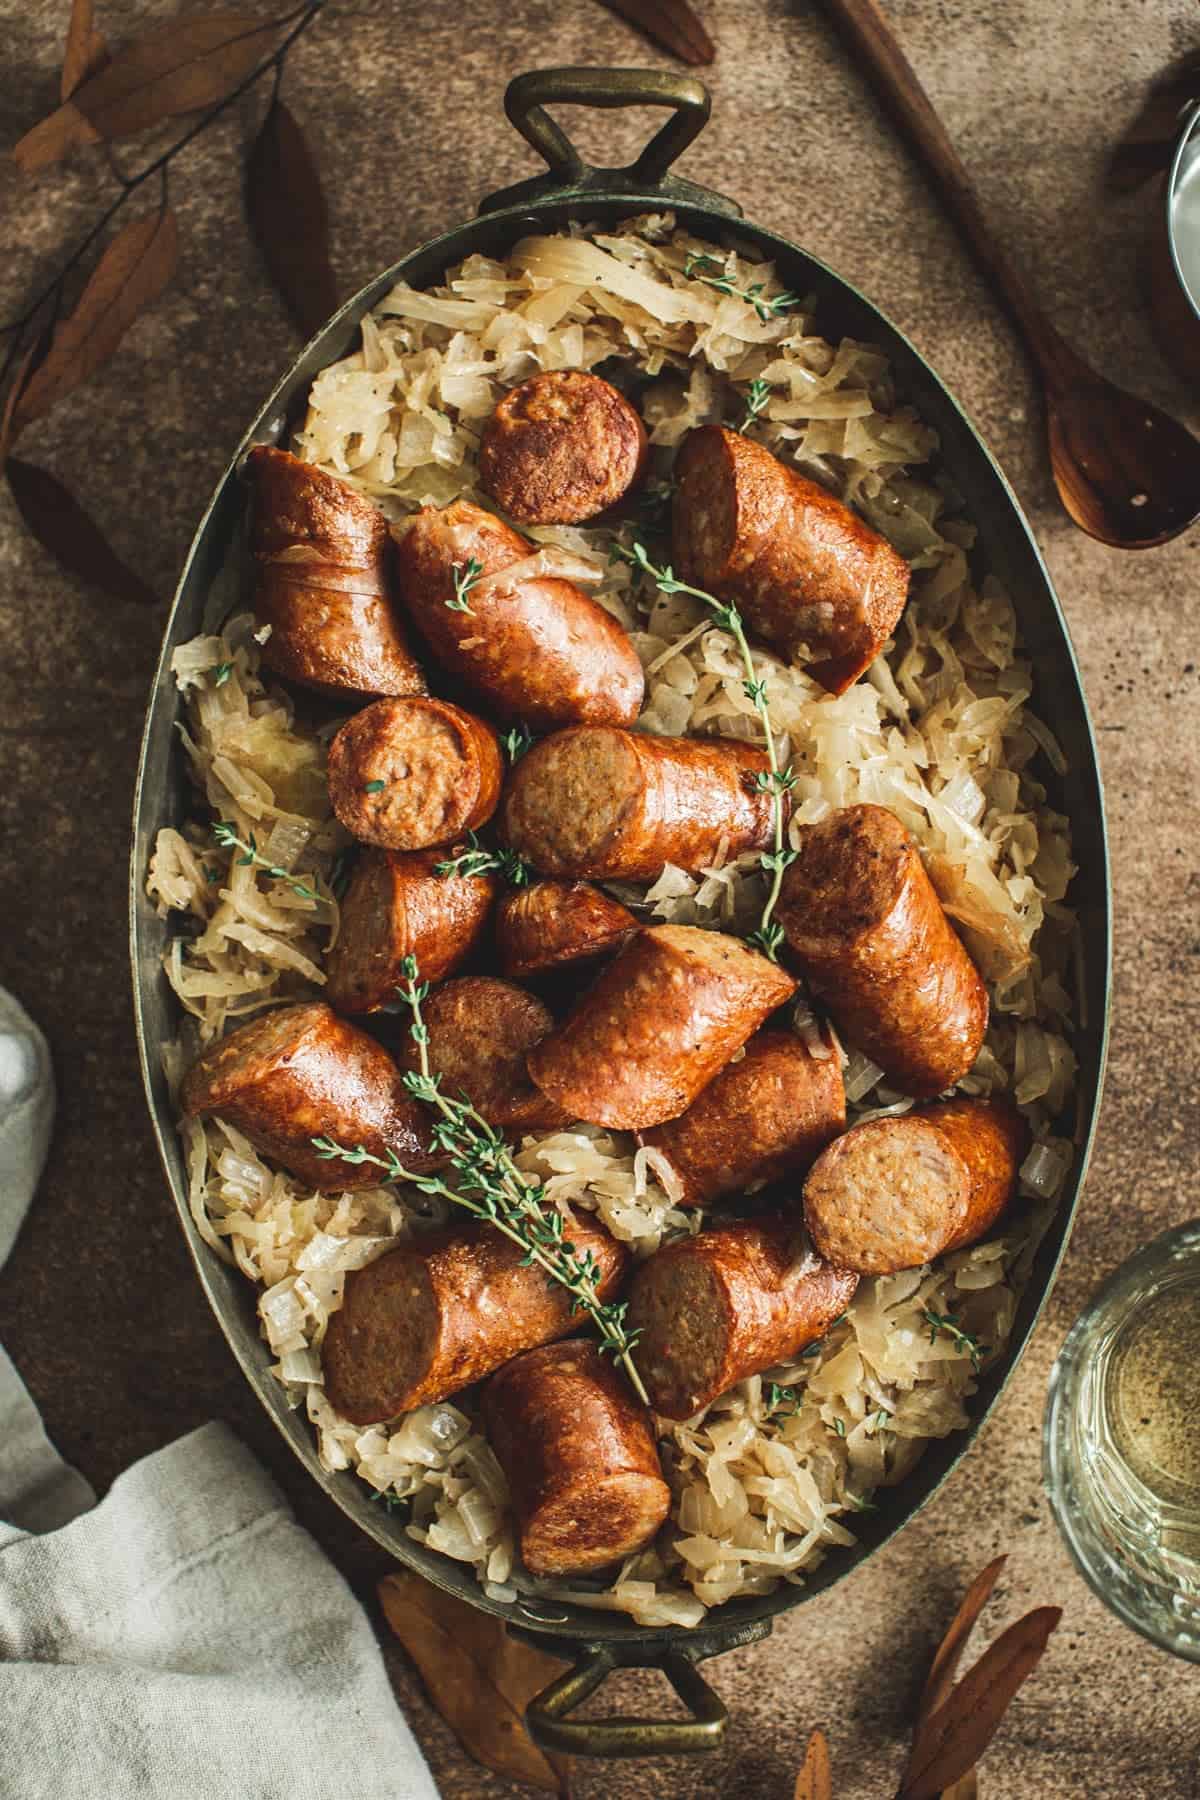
(808, 575)
(655, 1027)
(894, 1193)
(769, 1113)
(561, 448)
(617, 805)
(579, 1453)
(726, 1304)
(534, 647)
(396, 906)
(479, 1031)
(875, 946)
(550, 924)
(324, 582)
(436, 1314)
(407, 774)
(300, 1072)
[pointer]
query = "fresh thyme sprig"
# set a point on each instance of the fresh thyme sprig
(757, 395)
(943, 1323)
(516, 742)
(782, 1400)
(491, 1187)
(226, 836)
(774, 781)
(712, 273)
(479, 860)
(465, 576)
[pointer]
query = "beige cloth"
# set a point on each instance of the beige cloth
(184, 1639)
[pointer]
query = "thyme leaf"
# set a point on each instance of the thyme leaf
(491, 1187)
(768, 937)
(226, 836)
(220, 673)
(465, 576)
(782, 1400)
(944, 1324)
(711, 272)
(757, 395)
(374, 787)
(516, 742)
(477, 859)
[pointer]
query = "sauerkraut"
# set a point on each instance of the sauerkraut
(769, 1478)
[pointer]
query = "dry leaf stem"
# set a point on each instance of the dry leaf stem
(52, 293)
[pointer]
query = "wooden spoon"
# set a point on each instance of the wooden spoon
(1126, 472)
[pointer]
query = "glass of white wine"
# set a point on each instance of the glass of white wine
(1122, 1442)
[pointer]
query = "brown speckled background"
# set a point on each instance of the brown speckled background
(98, 1306)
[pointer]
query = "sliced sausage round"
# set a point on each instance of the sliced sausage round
(300, 1072)
(397, 905)
(726, 1304)
(656, 1026)
(617, 805)
(325, 582)
(894, 1193)
(991, 1137)
(561, 448)
(442, 1311)
(550, 924)
(579, 1453)
(768, 1114)
(807, 574)
(874, 944)
(534, 647)
(407, 774)
(479, 1031)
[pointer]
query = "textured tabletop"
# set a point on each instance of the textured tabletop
(402, 103)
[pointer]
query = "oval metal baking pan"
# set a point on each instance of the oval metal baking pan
(213, 580)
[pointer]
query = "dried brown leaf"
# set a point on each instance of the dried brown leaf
(55, 518)
(953, 1739)
(814, 1781)
(179, 67)
(949, 1652)
(286, 208)
(479, 1678)
(669, 23)
(86, 51)
(136, 266)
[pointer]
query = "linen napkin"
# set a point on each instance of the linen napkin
(184, 1639)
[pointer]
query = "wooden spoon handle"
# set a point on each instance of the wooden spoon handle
(871, 37)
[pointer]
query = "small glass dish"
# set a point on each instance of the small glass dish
(1122, 1442)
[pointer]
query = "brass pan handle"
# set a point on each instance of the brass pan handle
(526, 100)
(549, 1726)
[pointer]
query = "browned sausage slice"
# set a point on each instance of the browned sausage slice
(991, 1137)
(436, 1314)
(894, 1193)
(560, 448)
(726, 1304)
(579, 1453)
(396, 906)
(875, 946)
(656, 1026)
(407, 774)
(324, 582)
(535, 647)
(771, 1112)
(552, 923)
(479, 1031)
(807, 574)
(617, 805)
(299, 1073)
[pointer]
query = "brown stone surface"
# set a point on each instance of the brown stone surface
(98, 1305)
